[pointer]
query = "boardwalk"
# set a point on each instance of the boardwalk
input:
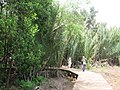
(90, 81)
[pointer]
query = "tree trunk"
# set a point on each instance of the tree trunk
(119, 60)
(9, 75)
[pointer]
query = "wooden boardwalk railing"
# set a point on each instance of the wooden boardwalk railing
(57, 72)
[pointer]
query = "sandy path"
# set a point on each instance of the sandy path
(90, 81)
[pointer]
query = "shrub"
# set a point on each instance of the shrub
(27, 85)
(39, 80)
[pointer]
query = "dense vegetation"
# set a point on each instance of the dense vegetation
(35, 34)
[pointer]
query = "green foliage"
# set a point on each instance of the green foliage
(27, 52)
(39, 80)
(27, 85)
(86, 37)
(102, 43)
(18, 30)
(40, 33)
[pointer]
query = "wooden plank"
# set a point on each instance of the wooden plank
(67, 72)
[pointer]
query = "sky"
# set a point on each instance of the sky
(108, 11)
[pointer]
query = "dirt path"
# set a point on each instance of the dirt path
(90, 81)
(111, 74)
(87, 80)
